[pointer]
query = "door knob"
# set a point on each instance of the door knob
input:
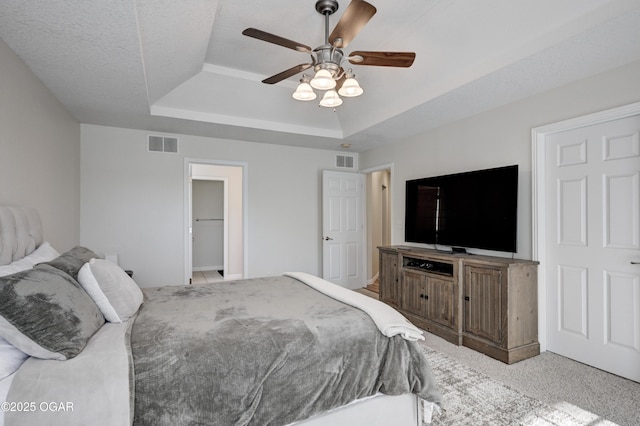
(328, 239)
(635, 263)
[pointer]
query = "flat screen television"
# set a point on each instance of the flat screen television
(476, 209)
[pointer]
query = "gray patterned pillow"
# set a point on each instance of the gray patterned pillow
(46, 314)
(72, 260)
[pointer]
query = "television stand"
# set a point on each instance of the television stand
(489, 304)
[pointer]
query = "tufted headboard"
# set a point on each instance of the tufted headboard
(20, 232)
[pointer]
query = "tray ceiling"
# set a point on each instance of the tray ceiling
(184, 67)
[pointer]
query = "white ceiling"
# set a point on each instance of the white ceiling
(184, 66)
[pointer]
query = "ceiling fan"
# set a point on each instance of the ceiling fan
(327, 59)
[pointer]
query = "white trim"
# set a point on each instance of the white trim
(187, 272)
(208, 268)
(392, 188)
(232, 120)
(187, 212)
(373, 280)
(381, 167)
(539, 192)
(232, 277)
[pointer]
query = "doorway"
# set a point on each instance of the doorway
(215, 207)
(378, 215)
(587, 238)
(210, 231)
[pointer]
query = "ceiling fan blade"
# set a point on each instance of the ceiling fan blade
(286, 74)
(383, 59)
(354, 18)
(272, 38)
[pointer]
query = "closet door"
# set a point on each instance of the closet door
(593, 245)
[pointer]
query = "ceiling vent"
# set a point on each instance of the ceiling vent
(344, 161)
(163, 144)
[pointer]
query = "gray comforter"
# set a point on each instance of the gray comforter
(266, 351)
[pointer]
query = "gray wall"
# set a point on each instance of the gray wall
(499, 137)
(133, 202)
(39, 152)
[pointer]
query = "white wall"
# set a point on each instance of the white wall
(500, 137)
(39, 152)
(132, 202)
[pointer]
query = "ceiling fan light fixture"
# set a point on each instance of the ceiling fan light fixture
(327, 60)
(304, 92)
(323, 80)
(331, 99)
(350, 88)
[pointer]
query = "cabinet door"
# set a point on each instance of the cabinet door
(484, 303)
(389, 278)
(413, 293)
(440, 301)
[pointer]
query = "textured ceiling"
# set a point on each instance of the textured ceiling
(184, 66)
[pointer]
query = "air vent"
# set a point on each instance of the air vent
(344, 161)
(163, 144)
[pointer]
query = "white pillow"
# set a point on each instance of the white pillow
(11, 358)
(44, 253)
(115, 293)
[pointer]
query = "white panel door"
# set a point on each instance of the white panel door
(593, 245)
(343, 229)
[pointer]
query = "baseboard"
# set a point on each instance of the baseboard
(207, 268)
(374, 279)
(233, 277)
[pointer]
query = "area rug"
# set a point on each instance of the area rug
(473, 398)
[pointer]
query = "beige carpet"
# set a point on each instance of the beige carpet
(472, 398)
(564, 385)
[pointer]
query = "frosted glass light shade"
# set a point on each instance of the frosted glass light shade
(323, 80)
(350, 88)
(304, 92)
(331, 99)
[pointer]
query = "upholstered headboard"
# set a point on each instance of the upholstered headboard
(20, 232)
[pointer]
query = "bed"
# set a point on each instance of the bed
(80, 344)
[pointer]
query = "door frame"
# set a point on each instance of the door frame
(368, 251)
(539, 193)
(187, 217)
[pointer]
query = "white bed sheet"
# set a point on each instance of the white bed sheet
(5, 384)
